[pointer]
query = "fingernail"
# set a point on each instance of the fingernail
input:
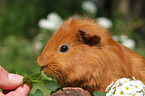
(15, 78)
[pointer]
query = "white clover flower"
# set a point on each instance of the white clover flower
(89, 6)
(52, 22)
(104, 22)
(127, 87)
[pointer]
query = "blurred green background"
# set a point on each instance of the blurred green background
(22, 38)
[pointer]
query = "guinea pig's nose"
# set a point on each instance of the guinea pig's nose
(40, 61)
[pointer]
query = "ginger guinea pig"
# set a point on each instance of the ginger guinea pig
(83, 54)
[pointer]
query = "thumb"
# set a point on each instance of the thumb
(9, 81)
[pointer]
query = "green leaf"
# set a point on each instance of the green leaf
(31, 94)
(52, 86)
(44, 77)
(35, 76)
(38, 93)
(26, 78)
(99, 94)
(38, 78)
(37, 82)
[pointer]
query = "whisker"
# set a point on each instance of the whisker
(32, 69)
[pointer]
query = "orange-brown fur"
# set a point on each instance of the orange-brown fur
(90, 66)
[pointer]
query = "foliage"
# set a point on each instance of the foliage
(99, 94)
(40, 78)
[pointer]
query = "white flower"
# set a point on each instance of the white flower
(133, 78)
(123, 37)
(138, 94)
(119, 91)
(137, 85)
(108, 87)
(116, 38)
(52, 22)
(43, 23)
(130, 43)
(55, 18)
(127, 87)
(117, 83)
(89, 6)
(124, 80)
(40, 36)
(104, 22)
(38, 45)
(110, 92)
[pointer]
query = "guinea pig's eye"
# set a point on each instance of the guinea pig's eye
(64, 48)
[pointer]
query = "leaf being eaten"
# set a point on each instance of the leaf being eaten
(38, 78)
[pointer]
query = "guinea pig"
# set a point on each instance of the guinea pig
(82, 54)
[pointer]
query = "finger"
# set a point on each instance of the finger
(9, 81)
(23, 90)
(1, 94)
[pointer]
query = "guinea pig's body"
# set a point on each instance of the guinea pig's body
(82, 54)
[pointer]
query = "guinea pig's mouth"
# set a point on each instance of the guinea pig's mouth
(42, 68)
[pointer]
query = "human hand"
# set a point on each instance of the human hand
(9, 81)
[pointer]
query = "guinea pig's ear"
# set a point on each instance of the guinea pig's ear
(89, 39)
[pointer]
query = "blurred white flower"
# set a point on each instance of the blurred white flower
(40, 36)
(52, 22)
(123, 37)
(38, 45)
(89, 6)
(116, 38)
(104, 22)
(130, 43)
